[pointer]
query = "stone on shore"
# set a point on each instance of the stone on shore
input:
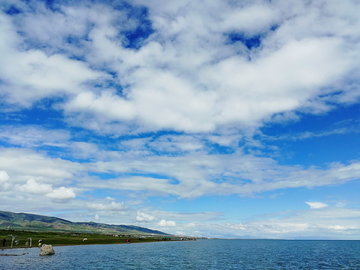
(47, 250)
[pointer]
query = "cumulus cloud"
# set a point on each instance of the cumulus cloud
(144, 217)
(190, 225)
(22, 163)
(293, 66)
(62, 194)
(4, 176)
(113, 206)
(164, 223)
(37, 75)
(32, 186)
(192, 74)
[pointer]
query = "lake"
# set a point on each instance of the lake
(200, 254)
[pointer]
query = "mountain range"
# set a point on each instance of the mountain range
(23, 221)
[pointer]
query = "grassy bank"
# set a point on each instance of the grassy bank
(61, 239)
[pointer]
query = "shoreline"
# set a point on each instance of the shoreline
(89, 244)
(23, 239)
(4, 249)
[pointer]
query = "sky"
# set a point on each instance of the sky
(216, 118)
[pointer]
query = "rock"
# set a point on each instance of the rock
(47, 250)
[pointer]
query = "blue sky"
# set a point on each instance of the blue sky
(204, 118)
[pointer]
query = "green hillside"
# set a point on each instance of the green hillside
(31, 222)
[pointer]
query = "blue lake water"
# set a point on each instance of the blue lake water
(201, 254)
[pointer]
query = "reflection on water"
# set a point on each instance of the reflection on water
(201, 254)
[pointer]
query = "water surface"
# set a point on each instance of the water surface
(201, 254)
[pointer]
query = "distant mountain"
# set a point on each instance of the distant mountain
(23, 221)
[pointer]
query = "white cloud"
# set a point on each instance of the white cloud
(23, 164)
(134, 144)
(84, 149)
(184, 216)
(30, 136)
(293, 65)
(144, 217)
(114, 206)
(289, 69)
(316, 205)
(164, 223)
(324, 223)
(4, 176)
(37, 75)
(194, 174)
(62, 194)
(188, 176)
(190, 225)
(252, 20)
(224, 140)
(33, 186)
(176, 144)
(187, 76)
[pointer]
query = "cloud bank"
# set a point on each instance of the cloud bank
(126, 106)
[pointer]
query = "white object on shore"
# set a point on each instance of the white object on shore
(46, 250)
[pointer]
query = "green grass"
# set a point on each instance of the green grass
(60, 239)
